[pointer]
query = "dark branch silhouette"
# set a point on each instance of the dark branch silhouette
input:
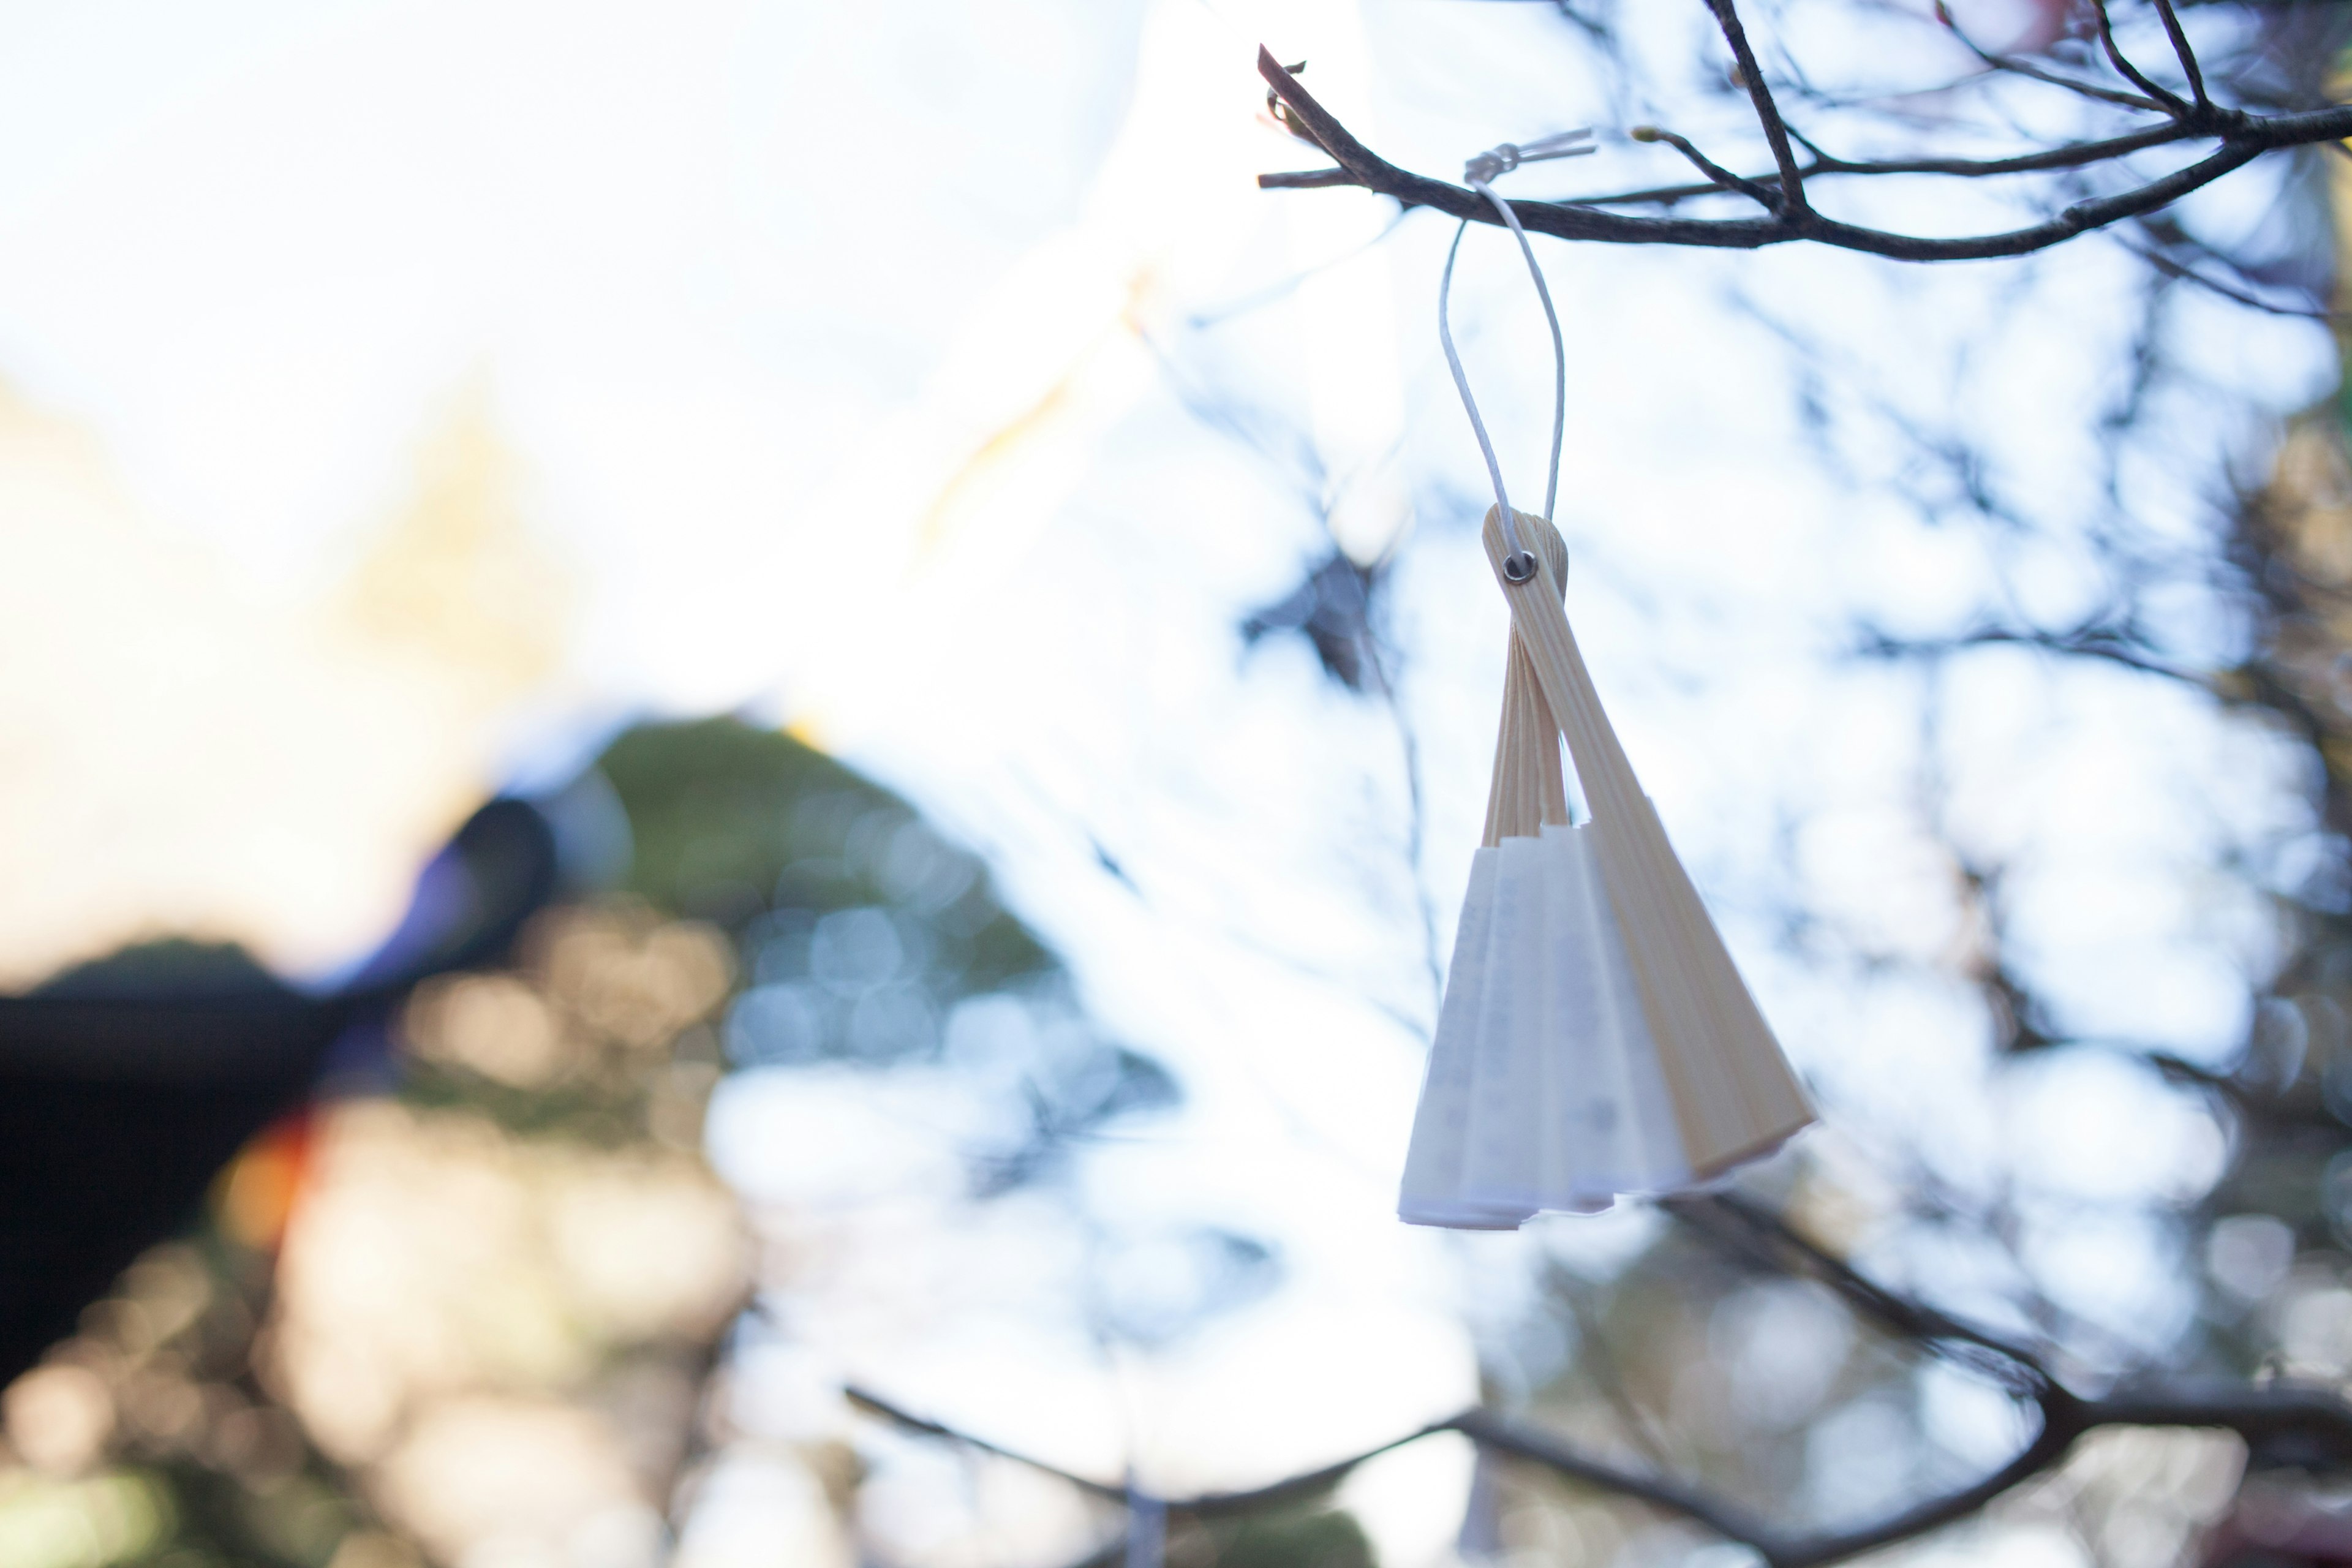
(2240, 137)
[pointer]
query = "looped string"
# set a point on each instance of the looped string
(1518, 565)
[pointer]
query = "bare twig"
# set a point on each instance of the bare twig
(2188, 274)
(1766, 195)
(1432, 957)
(2187, 56)
(1752, 77)
(1305, 180)
(2091, 640)
(2016, 67)
(2171, 101)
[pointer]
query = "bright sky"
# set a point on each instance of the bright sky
(845, 361)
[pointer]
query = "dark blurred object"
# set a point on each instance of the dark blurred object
(1332, 610)
(128, 1083)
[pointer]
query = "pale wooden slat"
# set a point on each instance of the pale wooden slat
(1529, 788)
(1733, 1090)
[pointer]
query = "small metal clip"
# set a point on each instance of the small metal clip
(1502, 160)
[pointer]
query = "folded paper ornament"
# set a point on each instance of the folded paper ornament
(1595, 1039)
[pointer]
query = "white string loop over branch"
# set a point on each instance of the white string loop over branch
(1480, 172)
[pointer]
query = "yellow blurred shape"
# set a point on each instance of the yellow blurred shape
(191, 755)
(84, 1524)
(458, 577)
(809, 731)
(2310, 501)
(994, 468)
(374, 1549)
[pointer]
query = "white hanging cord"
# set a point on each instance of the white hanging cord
(1481, 172)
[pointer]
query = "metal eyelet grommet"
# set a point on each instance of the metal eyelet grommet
(1519, 568)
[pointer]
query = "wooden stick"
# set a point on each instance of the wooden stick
(1733, 1090)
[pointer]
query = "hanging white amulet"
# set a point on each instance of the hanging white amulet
(1595, 1039)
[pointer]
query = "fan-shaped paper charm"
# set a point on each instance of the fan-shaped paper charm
(1595, 1039)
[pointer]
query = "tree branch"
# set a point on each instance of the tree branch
(1524, 1442)
(1727, 1218)
(2242, 139)
(2309, 1426)
(2070, 156)
(2283, 1423)
(2048, 1448)
(1205, 1505)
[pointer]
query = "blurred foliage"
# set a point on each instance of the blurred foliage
(148, 1436)
(864, 936)
(490, 1307)
(732, 823)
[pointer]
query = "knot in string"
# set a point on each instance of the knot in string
(1519, 565)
